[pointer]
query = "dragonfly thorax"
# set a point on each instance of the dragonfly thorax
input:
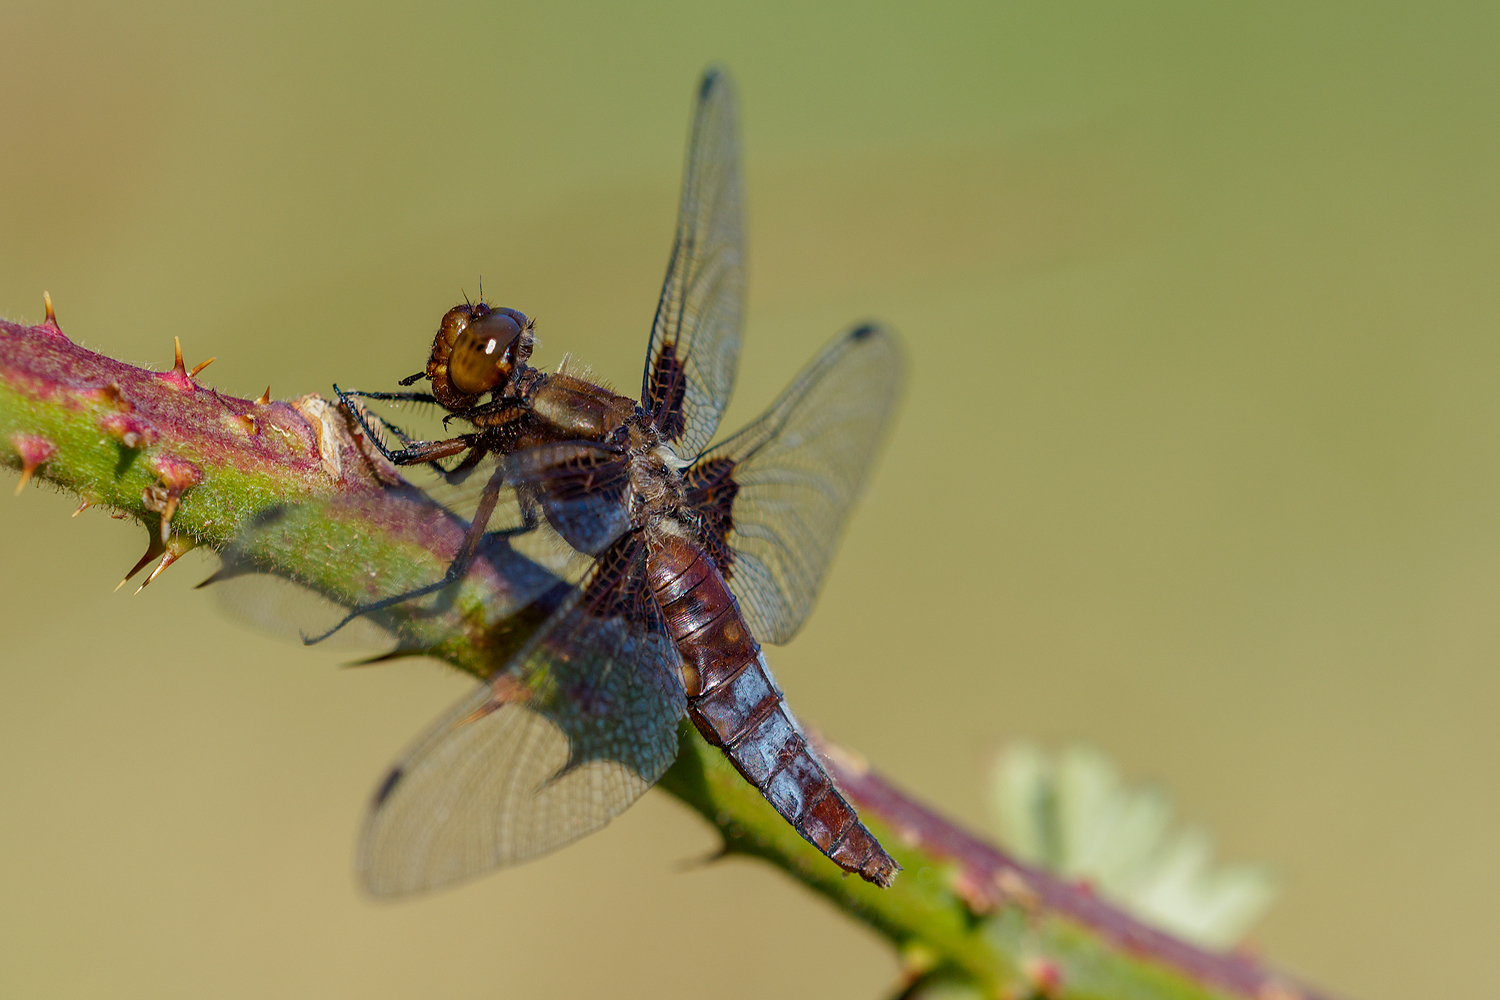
(656, 490)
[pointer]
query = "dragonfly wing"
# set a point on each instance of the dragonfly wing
(575, 728)
(581, 487)
(695, 339)
(774, 497)
(289, 569)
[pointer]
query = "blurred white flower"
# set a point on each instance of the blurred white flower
(1072, 814)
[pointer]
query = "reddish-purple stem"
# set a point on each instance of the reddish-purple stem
(143, 408)
(989, 878)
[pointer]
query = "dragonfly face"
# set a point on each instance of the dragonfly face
(476, 350)
(672, 570)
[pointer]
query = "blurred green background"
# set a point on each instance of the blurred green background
(1200, 461)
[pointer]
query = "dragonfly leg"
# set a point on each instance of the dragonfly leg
(346, 396)
(415, 452)
(495, 413)
(457, 568)
(401, 397)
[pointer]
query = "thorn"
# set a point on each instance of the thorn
(166, 560)
(265, 398)
(129, 429)
(83, 507)
(177, 376)
(154, 548)
(33, 450)
(163, 501)
(51, 319)
(177, 477)
(974, 893)
(180, 546)
(479, 713)
(1015, 889)
(199, 368)
(504, 690)
(917, 961)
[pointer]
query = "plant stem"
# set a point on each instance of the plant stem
(195, 467)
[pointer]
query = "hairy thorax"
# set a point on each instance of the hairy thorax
(564, 407)
(656, 490)
(578, 409)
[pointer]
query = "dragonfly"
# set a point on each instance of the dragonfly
(670, 559)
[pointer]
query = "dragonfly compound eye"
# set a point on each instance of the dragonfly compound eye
(486, 351)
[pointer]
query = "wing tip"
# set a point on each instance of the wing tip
(387, 785)
(715, 74)
(873, 331)
(870, 332)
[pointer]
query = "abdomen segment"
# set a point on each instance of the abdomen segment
(736, 705)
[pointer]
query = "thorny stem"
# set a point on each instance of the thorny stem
(195, 466)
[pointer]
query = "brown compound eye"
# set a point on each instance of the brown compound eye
(455, 321)
(486, 350)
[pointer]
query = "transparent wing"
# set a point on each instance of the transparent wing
(295, 569)
(775, 496)
(695, 339)
(456, 484)
(581, 488)
(575, 728)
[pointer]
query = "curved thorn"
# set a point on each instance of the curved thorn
(154, 548)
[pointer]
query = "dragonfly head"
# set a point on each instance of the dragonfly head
(476, 350)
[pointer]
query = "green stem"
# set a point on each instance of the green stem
(196, 467)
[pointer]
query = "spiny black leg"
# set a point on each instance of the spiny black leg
(361, 414)
(428, 452)
(395, 429)
(345, 395)
(400, 397)
(364, 416)
(505, 404)
(462, 560)
(415, 452)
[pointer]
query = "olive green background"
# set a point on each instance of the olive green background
(1200, 460)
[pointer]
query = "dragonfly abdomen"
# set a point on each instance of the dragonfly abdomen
(735, 703)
